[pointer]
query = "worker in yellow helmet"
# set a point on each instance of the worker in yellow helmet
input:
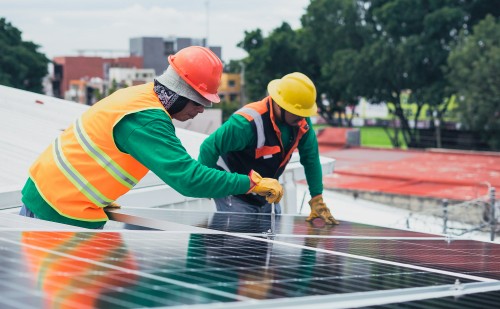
(112, 145)
(262, 136)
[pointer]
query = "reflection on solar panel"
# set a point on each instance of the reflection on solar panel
(255, 223)
(225, 260)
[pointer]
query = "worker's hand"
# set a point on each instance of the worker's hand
(112, 206)
(319, 210)
(270, 188)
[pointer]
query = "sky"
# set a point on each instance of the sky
(62, 27)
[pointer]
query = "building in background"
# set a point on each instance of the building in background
(77, 91)
(86, 91)
(72, 68)
(155, 50)
(130, 76)
(230, 88)
(86, 79)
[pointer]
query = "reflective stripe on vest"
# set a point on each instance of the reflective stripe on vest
(261, 137)
(76, 178)
(102, 158)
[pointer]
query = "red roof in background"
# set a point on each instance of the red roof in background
(455, 175)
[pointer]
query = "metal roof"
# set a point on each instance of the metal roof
(30, 122)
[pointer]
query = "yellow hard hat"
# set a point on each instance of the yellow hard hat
(295, 93)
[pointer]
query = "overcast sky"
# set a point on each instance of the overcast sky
(61, 27)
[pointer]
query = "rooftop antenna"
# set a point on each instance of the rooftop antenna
(207, 2)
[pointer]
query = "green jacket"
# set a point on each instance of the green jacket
(237, 134)
(149, 136)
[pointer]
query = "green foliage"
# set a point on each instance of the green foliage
(412, 41)
(268, 59)
(21, 65)
(252, 40)
(114, 86)
(334, 33)
(234, 66)
(410, 109)
(98, 95)
(473, 74)
(378, 49)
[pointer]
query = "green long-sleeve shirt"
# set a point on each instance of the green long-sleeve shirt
(237, 134)
(149, 136)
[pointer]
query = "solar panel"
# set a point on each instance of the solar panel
(463, 257)
(137, 269)
(255, 223)
(200, 261)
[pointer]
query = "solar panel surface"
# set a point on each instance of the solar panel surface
(257, 223)
(206, 264)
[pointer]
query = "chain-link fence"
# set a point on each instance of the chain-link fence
(477, 215)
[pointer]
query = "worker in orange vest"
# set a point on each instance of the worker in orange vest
(111, 146)
(262, 136)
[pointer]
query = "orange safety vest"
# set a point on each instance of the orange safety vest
(83, 171)
(268, 157)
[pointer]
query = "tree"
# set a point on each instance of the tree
(418, 36)
(113, 87)
(269, 58)
(333, 34)
(234, 66)
(343, 80)
(21, 64)
(377, 49)
(474, 64)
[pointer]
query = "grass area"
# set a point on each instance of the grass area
(377, 137)
(372, 136)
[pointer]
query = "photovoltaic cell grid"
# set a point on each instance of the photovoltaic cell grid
(459, 258)
(259, 223)
(149, 269)
(304, 264)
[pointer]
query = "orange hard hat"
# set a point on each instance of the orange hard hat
(200, 68)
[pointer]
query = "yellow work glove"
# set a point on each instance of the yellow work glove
(319, 210)
(111, 206)
(270, 188)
